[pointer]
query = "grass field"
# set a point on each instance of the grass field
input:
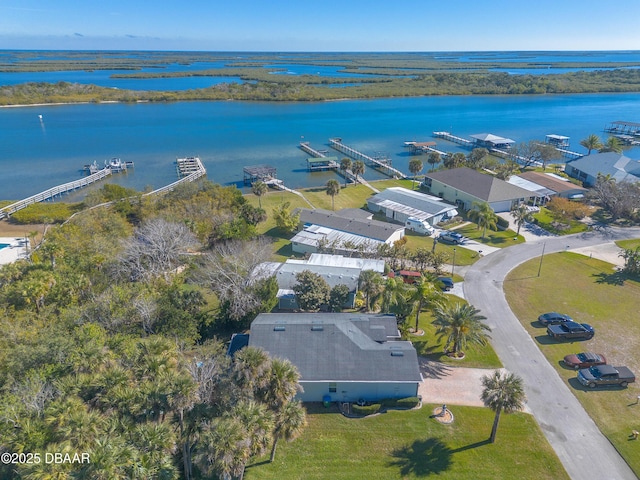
(499, 239)
(411, 445)
(591, 292)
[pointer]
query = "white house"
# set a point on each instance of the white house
(399, 204)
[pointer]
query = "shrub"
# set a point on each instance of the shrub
(409, 402)
(366, 410)
(502, 223)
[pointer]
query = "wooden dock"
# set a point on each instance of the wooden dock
(53, 192)
(384, 164)
(452, 138)
(188, 165)
(196, 173)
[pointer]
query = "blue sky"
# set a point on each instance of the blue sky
(328, 25)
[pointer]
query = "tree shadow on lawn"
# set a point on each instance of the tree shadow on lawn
(616, 278)
(422, 458)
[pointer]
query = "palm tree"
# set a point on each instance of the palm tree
(433, 159)
(484, 216)
(358, 168)
(415, 167)
(258, 423)
(521, 215)
(333, 189)
(502, 393)
(259, 189)
(425, 291)
(224, 448)
(612, 144)
(371, 284)
(250, 369)
(290, 422)
(397, 299)
(459, 325)
(592, 142)
(345, 165)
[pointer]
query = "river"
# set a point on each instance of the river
(36, 154)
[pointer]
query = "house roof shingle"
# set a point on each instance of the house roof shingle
(485, 187)
(338, 346)
(375, 229)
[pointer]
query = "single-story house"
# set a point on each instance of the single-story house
(464, 186)
(334, 269)
(341, 232)
(399, 204)
(558, 186)
(587, 168)
(340, 356)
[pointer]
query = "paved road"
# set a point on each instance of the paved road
(581, 447)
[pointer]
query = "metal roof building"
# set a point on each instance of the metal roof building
(399, 204)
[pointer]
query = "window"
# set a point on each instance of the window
(333, 387)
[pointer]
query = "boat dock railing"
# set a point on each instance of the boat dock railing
(452, 138)
(197, 170)
(306, 147)
(382, 164)
(52, 192)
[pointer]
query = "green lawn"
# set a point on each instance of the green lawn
(629, 244)
(411, 445)
(591, 292)
(546, 220)
(476, 356)
(499, 239)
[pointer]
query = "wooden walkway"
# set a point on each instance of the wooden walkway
(196, 169)
(53, 192)
(453, 138)
(384, 165)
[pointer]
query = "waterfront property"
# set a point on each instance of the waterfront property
(343, 231)
(399, 204)
(341, 356)
(464, 186)
(618, 166)
(554, 184)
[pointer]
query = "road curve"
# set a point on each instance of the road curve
(583, 450)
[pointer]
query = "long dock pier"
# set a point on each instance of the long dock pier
(193, 170)
(384, 165)
(452, 138)
(52, 192)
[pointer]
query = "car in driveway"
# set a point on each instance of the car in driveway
(570, 331)
(553, 318)
(584, 360)
(445, 283)
(447, 236)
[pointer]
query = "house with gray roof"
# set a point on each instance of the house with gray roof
(618, 166)
(342, 357)
(323, 229)
(399, 204)
(554, 185)
(464, 186)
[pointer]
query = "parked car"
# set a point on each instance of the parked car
(584, 360)
(448, 236)
(570, 330)
(605, 375)
(552, 318)
(446, 283)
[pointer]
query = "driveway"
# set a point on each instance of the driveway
(562, 419)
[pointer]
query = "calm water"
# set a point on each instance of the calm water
(36, 155)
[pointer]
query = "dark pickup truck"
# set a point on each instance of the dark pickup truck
(570, 330)
(605, 375)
